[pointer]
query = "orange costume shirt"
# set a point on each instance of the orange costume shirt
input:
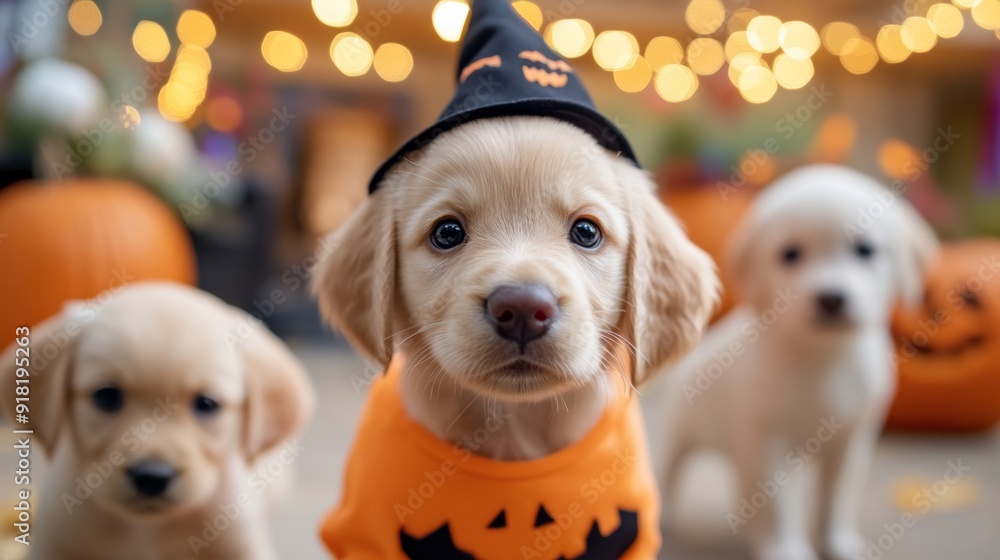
(410, 495)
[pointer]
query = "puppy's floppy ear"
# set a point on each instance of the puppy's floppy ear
(915, 246)
(671, 283)
(355, 282)
(280, 398)
(50, 350)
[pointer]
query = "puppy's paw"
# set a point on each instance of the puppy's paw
(844, 544)
(788, 549)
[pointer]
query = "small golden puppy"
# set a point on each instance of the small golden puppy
(158, 406)
(508, 262)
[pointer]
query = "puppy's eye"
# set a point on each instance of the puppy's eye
(585, 233)
(205, 406)
(108, 399)
(864, 250)
(791, 254)
(447, 234)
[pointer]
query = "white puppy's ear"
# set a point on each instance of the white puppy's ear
(51, 346)
(355, 282)
(280, 398)
(915, 246)
(672, 285)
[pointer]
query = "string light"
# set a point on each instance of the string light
(762, 33)
(740, 19)
(351, 54)
(571, 38)
(393, 62)
(837, 34)
(85, 17)
(918, 34)
(195, 28)
(662, 51)
(986, 14)
(792, 73)
(448, 19)
(860, 56)
(705, 16)
(636, 78)
(758, 84)
(947, 20)
(737, 44)
(798, 39)
(335, 13)
(675, 83)
(890, 44)
(615, 50)
(705, 56)
(284, 51)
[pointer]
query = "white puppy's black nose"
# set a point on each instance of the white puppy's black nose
(151, 479)
(521, 312)
(831, 303)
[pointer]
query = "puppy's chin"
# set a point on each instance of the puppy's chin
(146, 510)
(520, 380)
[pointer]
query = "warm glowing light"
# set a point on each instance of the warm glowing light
(986, 14)
(85, 17)
(890, 44)
(757, 84)
(284, 51)
(130, 117)
(740, 19)
(530, 12)
(947, 20)
(176, 101)
(150, 41)
(335, 13)
(662, 51)
(571, 38)
(918, 34)
(798, 39)
(705, 56)
(636, 78)
(762, 33)
(223, 113)
(195, 28)
(836, 36)
(448, 18)
(859, 56)
(834, 140)
(737, 44)
(676, 83)
(740, 63)
(393, 62)
(967, 4)
(705, 16)
(351, 53)
(792, 73)
(896, 158)
(615, 50)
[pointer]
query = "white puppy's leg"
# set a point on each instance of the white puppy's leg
(843, 471)
(776, 531)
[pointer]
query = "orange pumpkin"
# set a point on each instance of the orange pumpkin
(949, 349)
(76, 239)
(709, 215)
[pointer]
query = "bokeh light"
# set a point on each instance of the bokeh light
(918, 34)
(675, 83)
(150, 41)
(967, 4)
(741, 63)
(705, 56)
(859, 56)
(195, 28)
(85, 17)
(223, 113)
(757, 84)
(890, 44)
(762, 33)
(351, 53)
(284, 51)
(705, 16)
(740, 19)
(947, 19)
(571, 38)
(615, 50)
(798, 39)
(530, 12)
(896, 158)
(737, 44)
(393, 62)
(662, 51)
(636, 78)
(792, 73)
(986, 14)
(836, 35)
(448, 19)
(335, 13)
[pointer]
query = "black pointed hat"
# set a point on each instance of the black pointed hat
(506, 69)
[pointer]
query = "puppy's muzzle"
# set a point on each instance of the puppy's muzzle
(521, 312)
(151, 479)
(831, 304)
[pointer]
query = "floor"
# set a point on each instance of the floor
(963, 524)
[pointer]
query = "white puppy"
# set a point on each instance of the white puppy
(802, 372)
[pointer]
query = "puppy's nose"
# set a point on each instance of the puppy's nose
(831, 303)
(151, 479)
(521, 312)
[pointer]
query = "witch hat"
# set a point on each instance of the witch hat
(507, 69)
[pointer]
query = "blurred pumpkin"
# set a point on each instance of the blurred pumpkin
(709, 214)
(76, 239)
(948, 349)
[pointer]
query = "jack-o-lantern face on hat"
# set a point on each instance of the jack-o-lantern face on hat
(439, 545)
(949, 348)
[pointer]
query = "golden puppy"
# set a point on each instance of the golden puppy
(509, 262)
(158, 406)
